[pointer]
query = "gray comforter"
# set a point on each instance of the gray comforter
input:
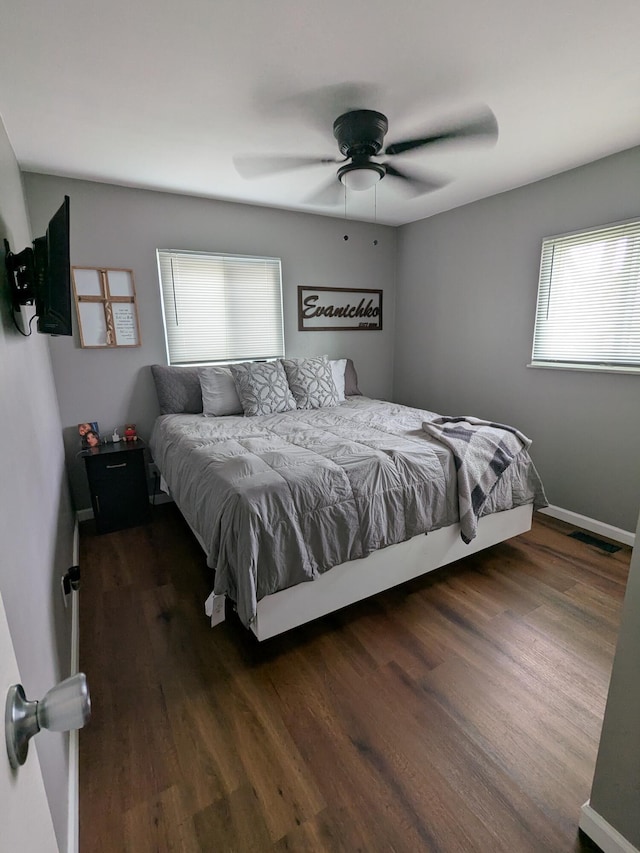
(277, 499)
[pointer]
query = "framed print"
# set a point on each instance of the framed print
(332, 309)
(107, 307)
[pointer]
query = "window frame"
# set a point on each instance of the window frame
(544, 292)
(279, 332)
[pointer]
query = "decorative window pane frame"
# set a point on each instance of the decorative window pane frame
(588, 304)
(220, 308)
(106, 307)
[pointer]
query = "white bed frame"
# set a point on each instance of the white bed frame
(350, 582)
(355, 580)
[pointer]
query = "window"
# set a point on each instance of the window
(588, 313)
(220, 308)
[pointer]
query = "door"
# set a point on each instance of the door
(24, 811)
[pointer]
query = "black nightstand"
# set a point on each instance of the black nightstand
(118, 484)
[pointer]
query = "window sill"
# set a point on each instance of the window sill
(589, 368)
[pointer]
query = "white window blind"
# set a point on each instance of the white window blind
(220, 308)
(588, 312)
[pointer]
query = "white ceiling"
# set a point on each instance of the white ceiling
(163, 94)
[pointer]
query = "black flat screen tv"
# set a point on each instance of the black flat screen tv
(42, 275)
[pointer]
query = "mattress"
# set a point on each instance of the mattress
(277, 500)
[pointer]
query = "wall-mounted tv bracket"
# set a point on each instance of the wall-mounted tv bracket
(21, 269)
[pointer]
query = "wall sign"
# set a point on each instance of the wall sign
(331, 309)
(106, 306)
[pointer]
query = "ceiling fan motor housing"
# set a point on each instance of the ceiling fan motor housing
(360, 133)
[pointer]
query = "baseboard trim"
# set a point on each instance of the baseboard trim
(591, 524)
(602, 833)
(73, 798)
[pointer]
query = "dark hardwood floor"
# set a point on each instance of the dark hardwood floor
(459, 712)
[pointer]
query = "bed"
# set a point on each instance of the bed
(305, 511)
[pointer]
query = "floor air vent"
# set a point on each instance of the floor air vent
(593, 540)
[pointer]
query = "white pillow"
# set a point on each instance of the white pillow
(338, 366)
(219, 395)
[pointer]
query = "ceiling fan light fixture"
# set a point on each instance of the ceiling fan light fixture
(358, 176)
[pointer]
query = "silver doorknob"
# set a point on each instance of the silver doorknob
(65, 707)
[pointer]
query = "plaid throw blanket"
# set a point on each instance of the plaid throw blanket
(482, 451)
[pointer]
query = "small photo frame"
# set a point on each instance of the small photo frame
(89, 434)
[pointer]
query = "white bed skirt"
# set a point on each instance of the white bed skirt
(350, 582)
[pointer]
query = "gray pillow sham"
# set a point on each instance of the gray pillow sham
(178, 389)
(351, 380)
(219, 395)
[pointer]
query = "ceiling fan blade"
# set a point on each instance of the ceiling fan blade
(260, 166)
(419, 184)
(483, 124)
(319, 107)
(330, 194)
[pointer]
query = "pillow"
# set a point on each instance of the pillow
(262, 387)
(337, 371)
(219, 395)
(311, 382)
(178, 389)
(351, 380)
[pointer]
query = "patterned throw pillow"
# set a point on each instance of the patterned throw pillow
(262, 387)
(311, 382)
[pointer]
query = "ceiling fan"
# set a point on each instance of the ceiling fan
(360, 135)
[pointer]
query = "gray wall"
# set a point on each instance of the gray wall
(36, 522)
(116, 226)
(466, 295)
(466, 291)
(616, 781)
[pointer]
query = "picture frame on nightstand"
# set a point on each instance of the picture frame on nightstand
(89, 433)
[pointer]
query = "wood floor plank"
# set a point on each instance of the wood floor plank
(284, 786)
(385, 638)
(596, 603)
(128, 701)
(468, 778)
(332, 831)
(162, 823)
(233, 824)
(206, 756)
(457, 713)
(507, 720)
